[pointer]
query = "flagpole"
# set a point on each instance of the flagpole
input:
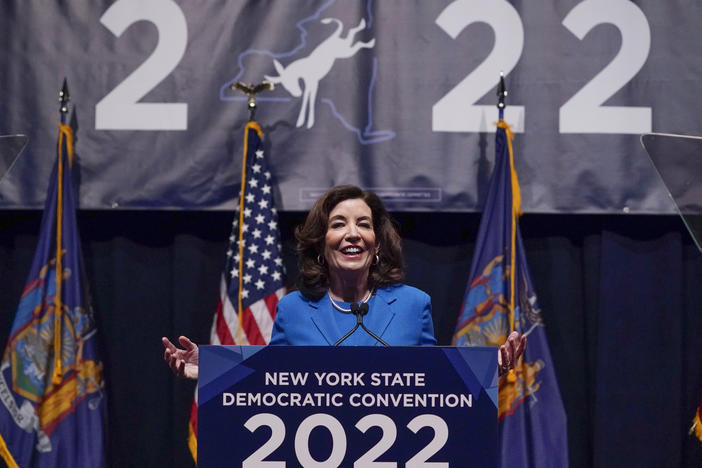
(57, 376)
(501, 95)
(251, 91)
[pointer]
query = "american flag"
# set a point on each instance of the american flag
(253, 272)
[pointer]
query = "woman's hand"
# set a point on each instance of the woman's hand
(508, 354)
(183, 362)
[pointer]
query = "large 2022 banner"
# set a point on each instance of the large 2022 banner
(393, 95)
(358, 406)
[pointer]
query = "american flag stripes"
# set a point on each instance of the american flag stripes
(252, 280)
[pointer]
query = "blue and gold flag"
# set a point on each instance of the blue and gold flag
(499, 299)
(51, 383)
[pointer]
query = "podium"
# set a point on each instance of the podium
(678, 161)
(11, 148)
(355, 406)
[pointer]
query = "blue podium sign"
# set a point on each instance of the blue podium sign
(291, 406)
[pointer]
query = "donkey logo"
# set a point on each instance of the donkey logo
(316, 65)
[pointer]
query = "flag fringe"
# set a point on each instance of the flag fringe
(6, 455)
(192, 442)
(65, 136)
(696, 428)
(516, 213)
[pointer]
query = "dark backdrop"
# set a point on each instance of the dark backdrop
(621, 298)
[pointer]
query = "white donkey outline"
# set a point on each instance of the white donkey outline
(316, 65)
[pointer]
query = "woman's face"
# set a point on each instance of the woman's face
(349, 244)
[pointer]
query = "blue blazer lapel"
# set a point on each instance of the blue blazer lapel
(379, 319)
(324, 322)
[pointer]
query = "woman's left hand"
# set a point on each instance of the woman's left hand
(508, 354)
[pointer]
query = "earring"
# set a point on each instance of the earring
(377, 259)
(320, 259)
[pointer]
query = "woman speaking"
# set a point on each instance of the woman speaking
(350, 262)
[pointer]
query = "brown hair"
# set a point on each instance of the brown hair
(313, 280)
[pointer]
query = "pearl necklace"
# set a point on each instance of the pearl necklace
(341, 309)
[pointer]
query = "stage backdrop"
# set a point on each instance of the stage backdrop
(396, 96)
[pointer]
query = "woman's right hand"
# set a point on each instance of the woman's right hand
(183, 362)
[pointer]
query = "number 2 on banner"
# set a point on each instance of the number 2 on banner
(120, 109)
(368, 460)
(457, 111)
(255, 460)
(441, 434)
(584, 112)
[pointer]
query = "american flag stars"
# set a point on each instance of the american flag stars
(261, 266)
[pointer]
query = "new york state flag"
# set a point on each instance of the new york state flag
(500, 298)
(52, 401)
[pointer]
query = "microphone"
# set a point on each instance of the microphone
(359, 321)
(361, 311)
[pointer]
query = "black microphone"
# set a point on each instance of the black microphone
(359, 321)
(363, 310)
(359, 310)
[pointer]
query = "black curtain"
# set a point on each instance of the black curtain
(621, 298)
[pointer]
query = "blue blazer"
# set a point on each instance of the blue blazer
(399, 314)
